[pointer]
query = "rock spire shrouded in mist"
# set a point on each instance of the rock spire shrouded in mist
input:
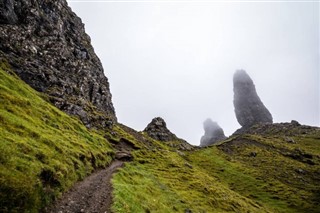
(46, 45)
(157, 129)
(212, 133)
(249, 108)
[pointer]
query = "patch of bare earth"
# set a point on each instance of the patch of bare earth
(92, 195)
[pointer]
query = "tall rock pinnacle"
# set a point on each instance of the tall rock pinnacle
(46, 45)
(212, 133)
(249, 108)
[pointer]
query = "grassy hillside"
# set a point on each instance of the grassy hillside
(43, 150)
(265, 174)
(269, 168)
(162, 179)
(246, 173)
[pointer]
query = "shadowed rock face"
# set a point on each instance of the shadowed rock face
(46, 45)
(212, 133)
(158, 130)
(249, 108)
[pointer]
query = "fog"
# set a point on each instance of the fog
(176, 60)
(210, 126)
(213, 133)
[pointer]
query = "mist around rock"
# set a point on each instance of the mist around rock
(212, 133)
(248, 107)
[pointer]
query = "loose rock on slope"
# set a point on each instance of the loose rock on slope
(249, 108)
(46, 45)
(212, 133)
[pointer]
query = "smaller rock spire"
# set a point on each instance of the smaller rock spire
(212, 133)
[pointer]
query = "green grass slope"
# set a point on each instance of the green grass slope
(278, 169)
(247, 173)
(162, 179)
(43, 151)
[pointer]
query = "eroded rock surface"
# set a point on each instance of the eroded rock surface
(249, 108)
(212, 133)
(46, 45)
(157, 129)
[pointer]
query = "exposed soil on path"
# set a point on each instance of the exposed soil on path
(92, 195)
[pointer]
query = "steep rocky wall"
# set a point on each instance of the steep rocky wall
(46, 45)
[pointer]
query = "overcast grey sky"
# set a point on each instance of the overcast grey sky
(176, 60)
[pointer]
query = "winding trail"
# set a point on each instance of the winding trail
(92, 195)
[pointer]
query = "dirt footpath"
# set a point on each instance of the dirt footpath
(92, 195)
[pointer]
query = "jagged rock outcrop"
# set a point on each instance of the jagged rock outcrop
(46, 45)
(157, 129)
(212, 133)
(249, 108)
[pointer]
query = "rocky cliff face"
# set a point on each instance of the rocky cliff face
(46, 45)
(249, 108)
(212, 133)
